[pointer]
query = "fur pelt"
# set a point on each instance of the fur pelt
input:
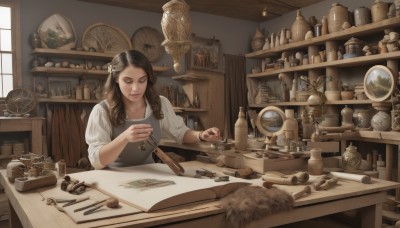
(253, 202)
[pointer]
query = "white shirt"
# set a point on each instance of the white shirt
(99, 128)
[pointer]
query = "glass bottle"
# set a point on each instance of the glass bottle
(241, 131)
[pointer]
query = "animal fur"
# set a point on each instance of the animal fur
(253, 202)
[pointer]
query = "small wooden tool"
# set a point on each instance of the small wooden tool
(110, 203)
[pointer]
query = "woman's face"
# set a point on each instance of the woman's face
(133, 83)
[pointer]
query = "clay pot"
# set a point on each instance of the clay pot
(258, 40)
(315, 163)
(381, 121)
(338, 14)
(379, 11)
(347, 116)
(347, 95)
(332, 95)
(290, 125)
(364, 119)
(362, 16)
(299, 27)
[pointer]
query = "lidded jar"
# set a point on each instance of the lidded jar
(351, 158)
(299, 27)
(337, 15)
(290, 125)
(353, 47)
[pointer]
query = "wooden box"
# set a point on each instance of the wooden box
(261, 165)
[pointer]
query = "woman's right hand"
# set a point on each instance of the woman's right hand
(138, 132)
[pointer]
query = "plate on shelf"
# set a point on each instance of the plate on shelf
(148, 41)
(105, 39)
(57, 32)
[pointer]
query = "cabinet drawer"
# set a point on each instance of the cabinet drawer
(15, 125)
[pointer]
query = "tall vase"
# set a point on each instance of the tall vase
(299, 27)
(315, 163)
(258, 40)
(337, 15)
(241, 131)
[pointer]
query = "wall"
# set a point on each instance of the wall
(82, 15)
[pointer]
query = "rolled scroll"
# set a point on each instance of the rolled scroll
(354, 177)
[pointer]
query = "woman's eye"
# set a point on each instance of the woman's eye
(128, 81)
(143, 80)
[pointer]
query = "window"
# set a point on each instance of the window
(8, 71)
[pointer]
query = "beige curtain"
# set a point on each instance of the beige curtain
(235, 90)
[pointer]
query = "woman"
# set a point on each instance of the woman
(119, 126)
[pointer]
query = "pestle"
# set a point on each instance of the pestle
(110, 203)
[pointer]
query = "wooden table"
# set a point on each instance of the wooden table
(30, 210)
(31, 124)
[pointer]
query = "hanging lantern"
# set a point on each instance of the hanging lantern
(175, 24)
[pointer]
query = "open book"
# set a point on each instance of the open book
(154, 186)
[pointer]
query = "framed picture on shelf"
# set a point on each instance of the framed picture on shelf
(205, 54)
(59, 88)
(40, 86)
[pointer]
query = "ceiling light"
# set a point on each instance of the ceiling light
(265, 12)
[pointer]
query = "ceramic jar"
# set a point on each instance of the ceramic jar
(364, 119)
(307, 127)
(380, 121)
(353, 48)
(290, 126)
(299, 27)
(379, 11)
(347, 116)
(241, 131)
(395, 120)
(351, 158)
(337, 15)
(315, 163)
(362, 16)
(258, 40)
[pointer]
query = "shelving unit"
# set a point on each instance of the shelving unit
(208, 86)
(71, 74)
(390, 59)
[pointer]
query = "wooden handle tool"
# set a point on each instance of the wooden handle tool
(306, 190)
(173, 165)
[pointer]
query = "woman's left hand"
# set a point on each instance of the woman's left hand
(211, 134)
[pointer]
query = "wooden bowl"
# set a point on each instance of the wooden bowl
(347, 95)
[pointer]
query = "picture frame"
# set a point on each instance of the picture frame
(205, 54)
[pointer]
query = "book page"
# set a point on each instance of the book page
(148, 186)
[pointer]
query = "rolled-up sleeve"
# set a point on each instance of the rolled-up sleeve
(98, 134)
(172, 125)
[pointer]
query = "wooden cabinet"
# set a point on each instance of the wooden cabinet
(208, 87)
(90, 71)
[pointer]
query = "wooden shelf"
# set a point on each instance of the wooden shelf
(338, 102)
(86, 55)
(60, 100)
(340, 35)
(189, 77)
(69, 71)
(180, 109)
(350, 62)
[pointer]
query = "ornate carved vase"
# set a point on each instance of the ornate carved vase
(351, 158)
(381, 121)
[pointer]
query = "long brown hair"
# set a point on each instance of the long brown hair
(113, 93)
